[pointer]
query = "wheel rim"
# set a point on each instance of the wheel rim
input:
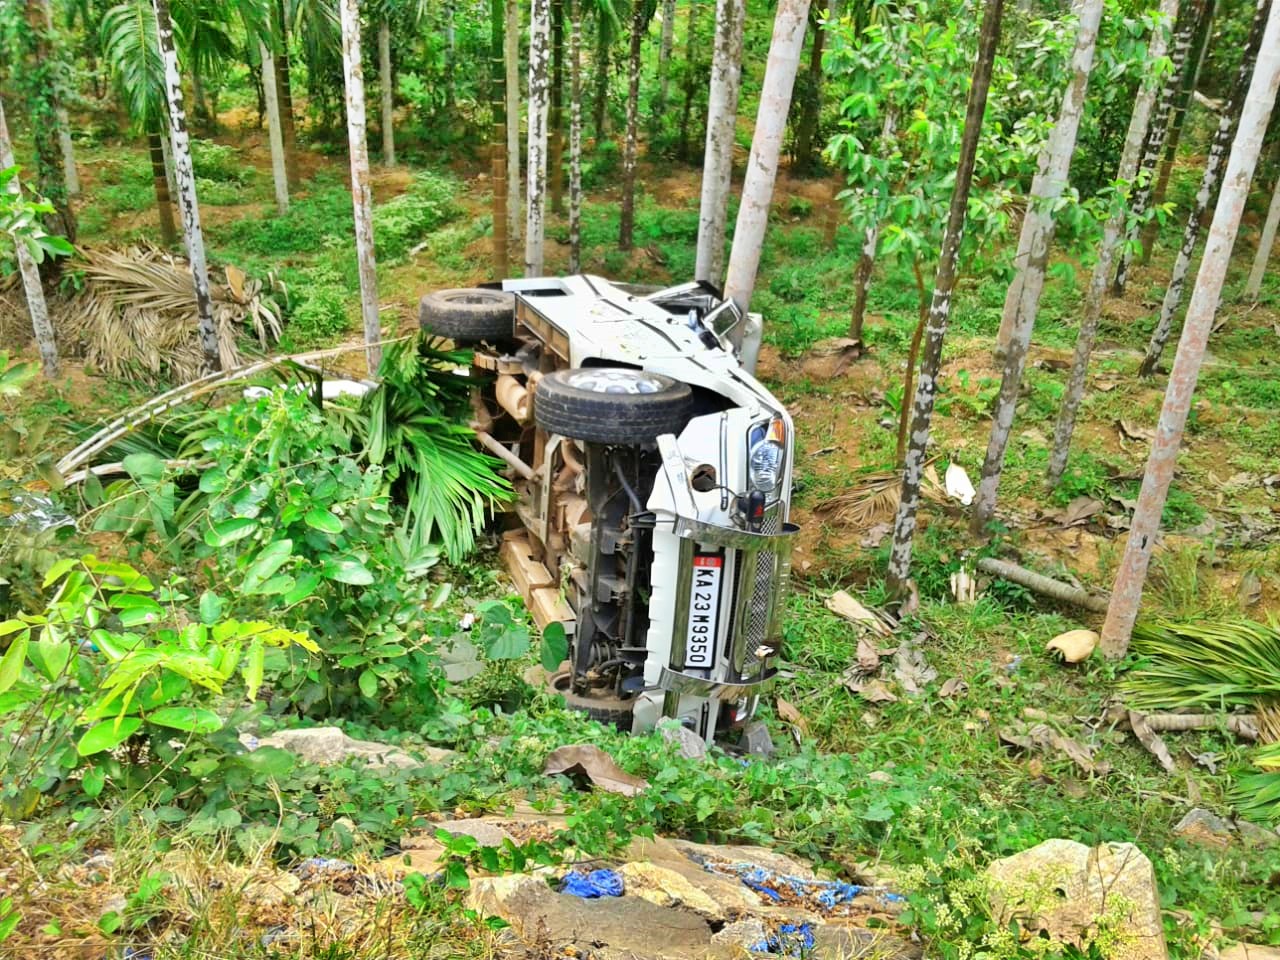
(473, 297)
(633, 382)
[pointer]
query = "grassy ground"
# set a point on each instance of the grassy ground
(946, 795)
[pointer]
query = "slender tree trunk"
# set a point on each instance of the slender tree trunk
(627, 219)
(762, 168)
(870, 240)
(1111, 234)
(43, 106)
(539, 107)
(602, 77)
(279, 173)
(450, 56)
(1055, 166)
(690, 85)
(71, 178)
(1190, 77)
(556, 139)
(1126, 594)
(30, 270)
(1222, 140)
(185, 175)
(285, 90)
(904, 524)
(722, 119)
(811, 108)
(1157, 133)
(511, 57)
(1253, 288)
(664, 55)
(361, 195)
(498, 109)
(200, 107)
(160, 180)
(386, 87)
(166, 155)
(575, 137)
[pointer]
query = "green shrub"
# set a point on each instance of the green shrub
(216, 161)
(320, 313)
(403, 221)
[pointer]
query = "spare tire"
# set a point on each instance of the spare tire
(608, 711)
(614, 405)
(469, 314)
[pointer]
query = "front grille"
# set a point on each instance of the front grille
(757, 626)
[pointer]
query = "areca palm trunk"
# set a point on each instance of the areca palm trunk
(1038, 225)
(43, 111)
(511, 59)
(275, 137)
(575, 137)
(690, 49)
(1253, 287)
(627, 220)
(904, 524)
(762, 168)
(870, 241)
(160, 181)
(1228, 122)
(71, 177)
(1126, 593)
(722, 116)
(557, 107)
(498, 145)
(811, 108)
(539, 107)
(185, 175)
(1111, 235)
(664, 53)
(386, 92)
(602, 76)
(361, 193)
(30, 270)
(285, 89)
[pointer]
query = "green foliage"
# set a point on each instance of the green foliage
(321, 316)
(1217, 664)
(20, 222)
(401, 222)
(114, 660)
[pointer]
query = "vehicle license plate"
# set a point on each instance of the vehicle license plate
(704, 611)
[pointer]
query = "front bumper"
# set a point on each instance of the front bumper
(758, 581)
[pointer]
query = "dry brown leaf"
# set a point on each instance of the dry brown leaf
(788, 713)
(586, 760)
(868, 655)
(954, 687)
(1133, 431)
(1042, 738)
(1074, 646)
(1078, 511)
(1250, 590)
(1151, 740)
(844, 605)
(876, 692)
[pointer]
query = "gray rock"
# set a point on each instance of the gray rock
(608, 927)
(688, 744)
(1068, 889)
(1203, 827)
(1255, 834)
(488, 833)
(327, 745)
(756, 739)
(741, 933)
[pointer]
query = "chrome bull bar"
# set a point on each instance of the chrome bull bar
(762, 570)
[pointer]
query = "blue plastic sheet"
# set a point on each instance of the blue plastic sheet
(789, 940)
(591, 886)
(823, 896)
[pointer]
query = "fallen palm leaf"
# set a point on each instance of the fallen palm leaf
(136, 314)
(1043, 738)
(873, 498)
(1151, 740)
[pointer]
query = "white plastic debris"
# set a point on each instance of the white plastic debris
(958, 485)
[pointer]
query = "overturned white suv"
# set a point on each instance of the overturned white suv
(654, 483)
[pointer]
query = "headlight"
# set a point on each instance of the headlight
(767, 457)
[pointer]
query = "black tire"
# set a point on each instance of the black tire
(469, 315)
(609, 711)
(596, 416)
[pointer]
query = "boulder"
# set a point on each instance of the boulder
(668, 888)
(746, 934)
(425, 858)
(607, 927)
(1249, 951)
(735, 853)
(328, 745)
(1205, 828)
(1079, 895)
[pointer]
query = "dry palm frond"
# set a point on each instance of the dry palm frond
(136, 315)
(874, 498)
(1269, 723)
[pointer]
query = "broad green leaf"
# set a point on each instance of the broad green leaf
(210, 607)
(269, 761)
(347, 570)
(11, 662)
(213, 481)
(189, 719)
(303, 587)
(107, 735)
(555, 646)
(253, 669)
(322, 520)
(369, 683)
(53, 651)
(144, 467)
(279, 584)
(271, 559)
(229, 531)
(92, 782)
(11, 626)
(58, 571)
(511, 644)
